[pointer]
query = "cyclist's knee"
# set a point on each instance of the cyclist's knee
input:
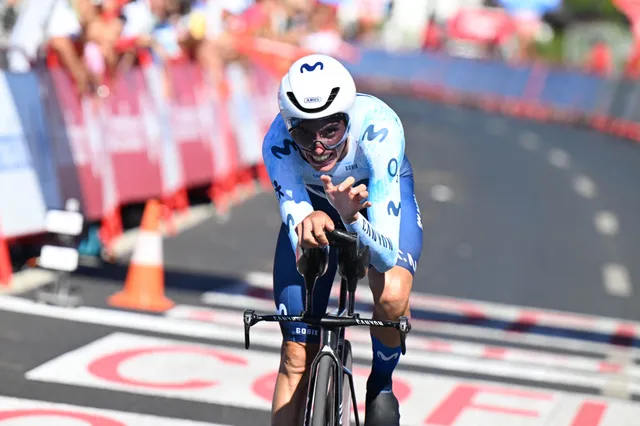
(295, 357)
(391, 291)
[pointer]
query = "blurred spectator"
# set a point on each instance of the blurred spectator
(371, 16)
(9, 10)
(433, 35)
(323, 31)
(600, 60)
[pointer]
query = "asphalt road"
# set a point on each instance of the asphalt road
(514, 212)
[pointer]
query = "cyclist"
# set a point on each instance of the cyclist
(336, 158)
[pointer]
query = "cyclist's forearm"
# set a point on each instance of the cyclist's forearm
(292, 214)
(384, 248)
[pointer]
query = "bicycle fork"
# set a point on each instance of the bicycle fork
(353, 396)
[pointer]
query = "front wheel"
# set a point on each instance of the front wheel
(322, 403)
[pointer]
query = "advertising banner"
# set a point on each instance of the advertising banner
(22, 204)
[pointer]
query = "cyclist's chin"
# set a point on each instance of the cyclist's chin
(324, 162)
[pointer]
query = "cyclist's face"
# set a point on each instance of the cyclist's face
(322, 142)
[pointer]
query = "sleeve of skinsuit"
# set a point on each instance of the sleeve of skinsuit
(284, 166)
(382, 142)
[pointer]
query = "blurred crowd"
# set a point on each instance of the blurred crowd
(94, 39)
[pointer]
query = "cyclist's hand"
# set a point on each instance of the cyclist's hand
(346, 200)
(311, 230)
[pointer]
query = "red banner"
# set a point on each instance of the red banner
(136, 162)
(189, 132)
(76, 136)
(480, 25)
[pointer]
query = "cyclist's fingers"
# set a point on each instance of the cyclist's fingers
(367, 204)
(308, 240)
(346, 184)
(328, 185)
(358, 189)
(318, 232)
(361, 196)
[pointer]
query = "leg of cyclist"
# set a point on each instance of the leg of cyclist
(391, 292)
(300, 342)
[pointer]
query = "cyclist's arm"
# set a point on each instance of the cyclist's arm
(384, 155)
(283, 166)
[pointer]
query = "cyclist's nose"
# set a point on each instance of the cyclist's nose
(318, 149)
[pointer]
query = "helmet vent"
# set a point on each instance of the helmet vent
(332, 96)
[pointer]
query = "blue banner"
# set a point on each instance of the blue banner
(538, 7)
(22, 207)
(25, 90)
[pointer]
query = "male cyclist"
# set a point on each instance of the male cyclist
(336, 157)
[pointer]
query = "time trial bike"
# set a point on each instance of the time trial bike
(328, 398)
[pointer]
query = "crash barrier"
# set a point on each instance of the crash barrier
(152, 132)
(527, 90)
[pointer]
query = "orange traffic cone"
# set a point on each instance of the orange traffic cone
(144, 285)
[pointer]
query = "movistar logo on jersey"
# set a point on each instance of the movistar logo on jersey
(392, 209)
(278, 152)
(375, 236)
(371, 133)
(309, 68)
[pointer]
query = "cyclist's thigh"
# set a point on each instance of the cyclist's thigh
(289, 294)
(410, 245)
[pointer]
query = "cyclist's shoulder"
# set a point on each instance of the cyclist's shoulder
(377, 122)
(373, 114)
(373, 107)
(277, 131)
(277, 143)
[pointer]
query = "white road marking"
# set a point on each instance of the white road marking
(175, 369)
(606, 223)
(616, 280)
(529, 141)
(584, 186)
(455, 330)
(559, 158)
(359, 336)
(490, 310)
(441, 193)
(213, 331)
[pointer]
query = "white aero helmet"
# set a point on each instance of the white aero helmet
(316, 86)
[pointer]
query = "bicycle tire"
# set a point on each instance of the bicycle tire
(347, 362)
(323, 397)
